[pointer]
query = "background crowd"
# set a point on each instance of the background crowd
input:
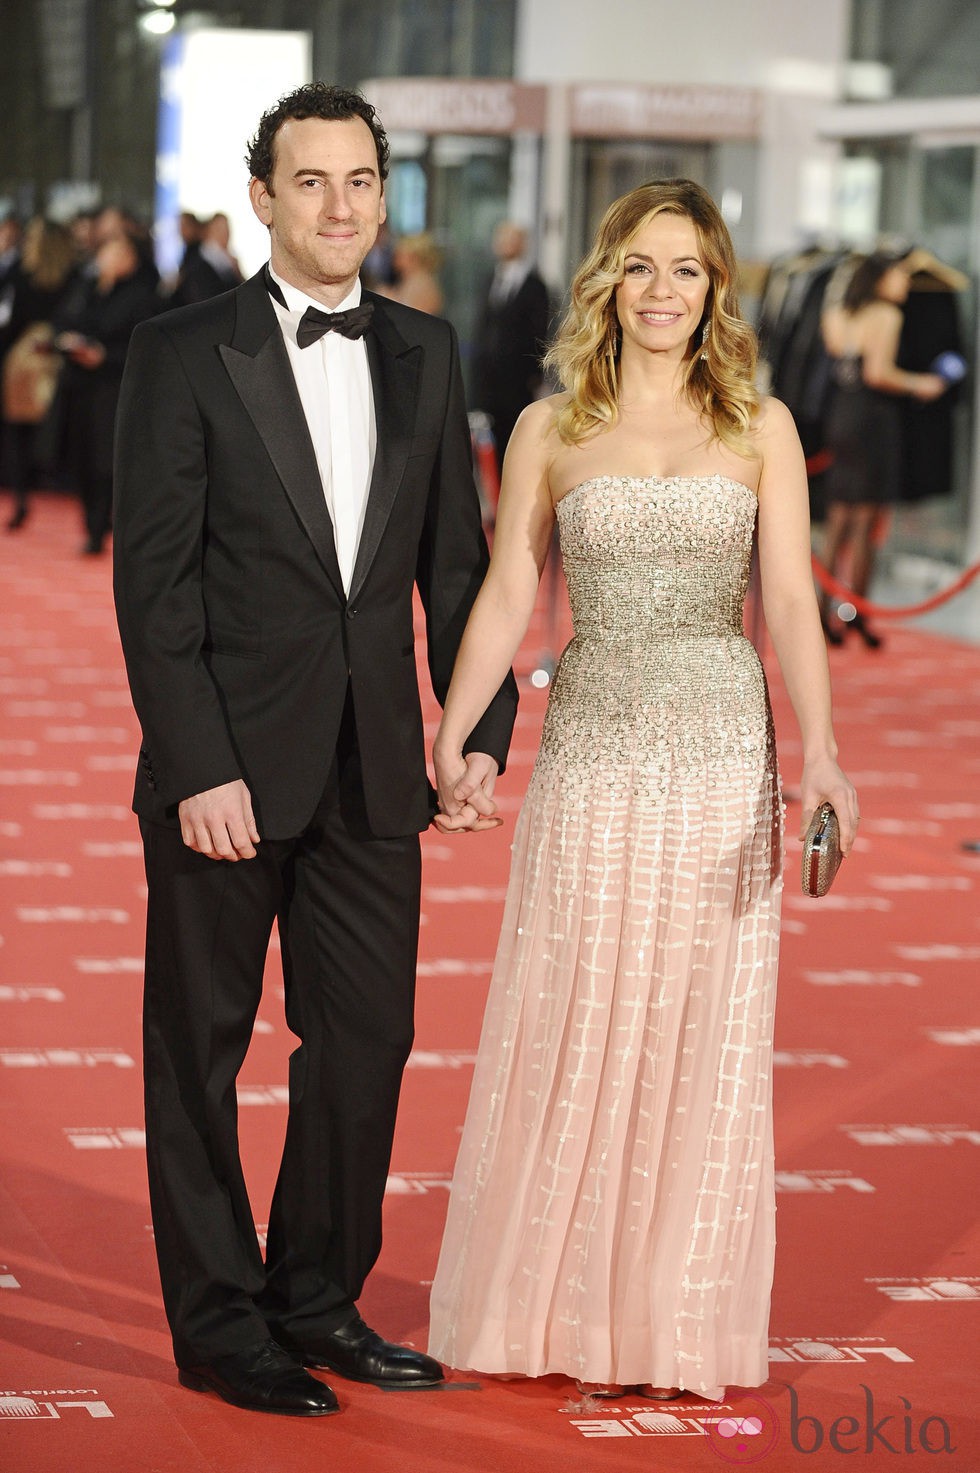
(71, 294)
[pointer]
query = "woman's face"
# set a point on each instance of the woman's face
(660, 301)
(115, 259)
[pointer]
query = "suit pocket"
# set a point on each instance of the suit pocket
(236, 652)
(424, 446)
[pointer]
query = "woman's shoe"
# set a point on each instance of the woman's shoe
(872, 640)
(830, 634)
(18, 518)
(599, 1388)
(660, 1393)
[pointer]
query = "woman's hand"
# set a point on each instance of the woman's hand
(824, 782)
(81, 350)
(465, 787)
(929, 387)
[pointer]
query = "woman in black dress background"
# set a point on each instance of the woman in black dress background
(30, 367)
(864, 430)
(93, 329)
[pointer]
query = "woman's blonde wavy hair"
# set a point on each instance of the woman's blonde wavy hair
(720, 371)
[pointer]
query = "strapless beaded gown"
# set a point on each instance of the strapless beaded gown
(612, 1210)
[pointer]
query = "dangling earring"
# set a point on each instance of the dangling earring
(705, 330)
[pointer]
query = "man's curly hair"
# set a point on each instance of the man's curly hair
(312, 100)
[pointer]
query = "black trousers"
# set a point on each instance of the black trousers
(348, 910)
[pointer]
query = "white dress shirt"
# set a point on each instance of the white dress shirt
(508, 278)
(334, 383)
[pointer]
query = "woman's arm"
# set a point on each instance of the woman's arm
(792, 617)
(503, 607)
(881, 330)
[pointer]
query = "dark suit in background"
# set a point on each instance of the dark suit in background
(510, 339)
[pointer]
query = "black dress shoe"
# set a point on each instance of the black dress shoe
(265, 1378)
(360, 1354)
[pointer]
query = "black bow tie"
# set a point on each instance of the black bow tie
(353, 323)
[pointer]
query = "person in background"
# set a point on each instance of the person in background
(863, 428)
(10, 233)
(92, 331)
(115, 221)
(82, 229)
(190, 228)
(210, 268)
(31, 366)
(416, 260)
(216, 247)
(510, 335)
(10, 239)
(378, 269)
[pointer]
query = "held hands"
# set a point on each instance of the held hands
(465, 787)
(219, 823)
(823, 782)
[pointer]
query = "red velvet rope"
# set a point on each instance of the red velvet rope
(815, 465)
(840, 590)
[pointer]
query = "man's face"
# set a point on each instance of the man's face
(509, 242)
(324, 206)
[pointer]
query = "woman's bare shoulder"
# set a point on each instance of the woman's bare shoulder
(772, 418)
(536, 426)
(540, 414)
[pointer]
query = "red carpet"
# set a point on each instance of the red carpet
(878, 1274)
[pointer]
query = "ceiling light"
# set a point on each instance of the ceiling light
(157, 22)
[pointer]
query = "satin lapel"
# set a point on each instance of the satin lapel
(259, 369)
(395, 369)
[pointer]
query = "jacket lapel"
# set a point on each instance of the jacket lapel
(395, 369)
(257, 364)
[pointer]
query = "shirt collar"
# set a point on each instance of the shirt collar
(297, 301)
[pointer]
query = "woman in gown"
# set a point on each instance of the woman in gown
(611, 1214)
(864, 422)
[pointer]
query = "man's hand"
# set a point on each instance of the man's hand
(466, 793)
(219, 823)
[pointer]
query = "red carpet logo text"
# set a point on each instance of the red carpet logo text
(50, 1405)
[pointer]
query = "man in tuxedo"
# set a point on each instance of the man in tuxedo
(209, 268)
(510, 335)
(285, 477)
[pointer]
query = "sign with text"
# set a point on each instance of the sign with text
(459, 105)
(638, 110)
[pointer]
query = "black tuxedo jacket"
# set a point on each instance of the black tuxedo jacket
(239, 640)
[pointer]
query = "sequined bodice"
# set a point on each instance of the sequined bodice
(659, 674)
(651, 555)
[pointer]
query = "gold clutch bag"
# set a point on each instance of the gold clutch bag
(821, 851)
